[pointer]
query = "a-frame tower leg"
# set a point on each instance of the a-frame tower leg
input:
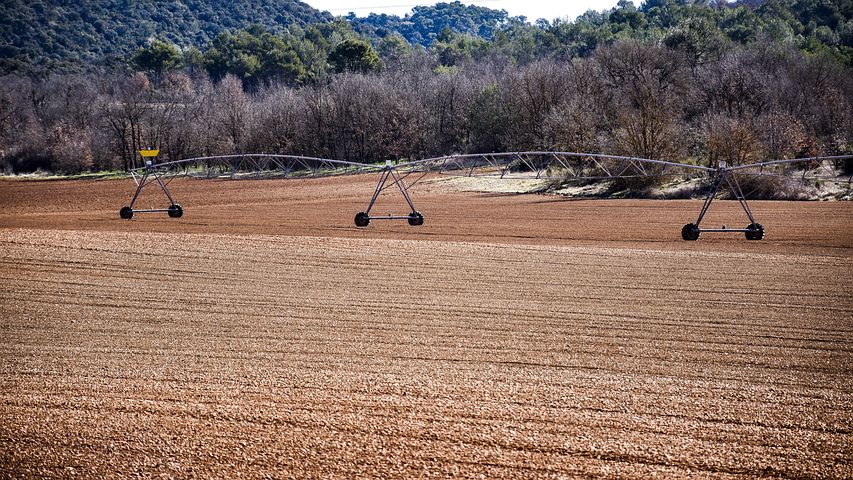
(753, 231)
(362, 219)
(151, 176)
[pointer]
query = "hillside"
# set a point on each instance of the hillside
(54, 34)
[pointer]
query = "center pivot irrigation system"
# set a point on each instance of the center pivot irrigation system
(560, 166)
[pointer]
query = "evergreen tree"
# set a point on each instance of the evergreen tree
(158, 57)
(353, 55)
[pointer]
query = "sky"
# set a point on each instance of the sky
(532, 9)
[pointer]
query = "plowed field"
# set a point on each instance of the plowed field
(262, 334)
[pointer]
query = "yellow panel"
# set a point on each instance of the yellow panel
(149, 153)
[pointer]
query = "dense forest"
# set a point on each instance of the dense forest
(676, 79)
(53, 35)
(50, 36)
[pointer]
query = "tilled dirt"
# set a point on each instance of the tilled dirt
(510, 336)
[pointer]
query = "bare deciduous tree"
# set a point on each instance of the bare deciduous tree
(740, 104)
(232, 114)
(648, 86)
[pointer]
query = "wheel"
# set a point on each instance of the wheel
(126, 213)
(362, 219)
(690, 232)
(755, 231)
(415, 219)
(175, 211)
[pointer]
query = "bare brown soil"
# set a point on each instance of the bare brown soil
(510, 336)
(326, 206)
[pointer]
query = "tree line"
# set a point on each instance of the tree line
(654, 99)
(456, 34)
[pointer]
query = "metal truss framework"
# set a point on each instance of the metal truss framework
(551, 165)
(571, 166)
(560, 166)
(235, 167)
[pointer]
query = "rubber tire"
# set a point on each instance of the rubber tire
(362, 219)
(690, 232)
(126, 213)
(756, 231)
(175, 211)
(415, 219)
